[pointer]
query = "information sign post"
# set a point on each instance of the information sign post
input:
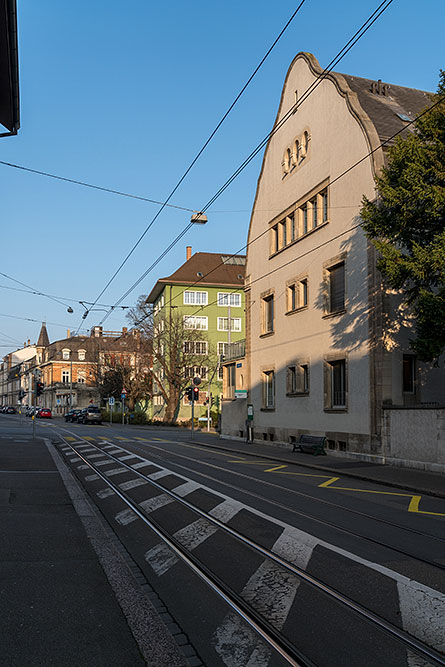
(111, 405)
(123, 395)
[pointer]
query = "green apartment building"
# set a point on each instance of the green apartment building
(200, 298)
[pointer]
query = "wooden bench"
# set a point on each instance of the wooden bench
(310, 444)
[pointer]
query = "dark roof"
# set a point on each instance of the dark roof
(382, 102)
(206, 269)
(43, 337)
(92, 344)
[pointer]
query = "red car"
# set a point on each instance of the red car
(44, 413)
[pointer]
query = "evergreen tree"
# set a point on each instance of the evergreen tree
(406, 223)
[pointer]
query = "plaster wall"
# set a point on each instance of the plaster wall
(337, 141)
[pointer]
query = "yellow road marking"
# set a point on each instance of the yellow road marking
(412, 507)
(69, 437)
(88, 437)
(245, 461)
(144, 439)
(161, 440)
(274, 469)
(117, 437)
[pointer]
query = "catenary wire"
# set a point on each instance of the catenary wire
(90, 185)
(197, 156)
(340, 55)
(49, 296)
(266, 231)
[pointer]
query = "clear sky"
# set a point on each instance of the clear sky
(123, 95)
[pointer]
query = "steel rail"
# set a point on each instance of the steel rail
(406, 639)
(209, 579)
(307, 515)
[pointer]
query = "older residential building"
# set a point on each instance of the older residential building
(327, 345)
(207, 293)
(70, 369)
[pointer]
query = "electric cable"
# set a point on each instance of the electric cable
(340, 55)
(204, 146)
(266, 231)
(90, 185)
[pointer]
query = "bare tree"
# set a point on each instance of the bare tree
(176, 352)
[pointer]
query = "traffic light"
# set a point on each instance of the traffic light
(39, 388)
(189, 393)
(195, 393)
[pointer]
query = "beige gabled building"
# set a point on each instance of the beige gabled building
(327, 347)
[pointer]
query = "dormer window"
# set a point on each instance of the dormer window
(81, 355)
(66, 354)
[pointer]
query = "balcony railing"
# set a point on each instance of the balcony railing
(235, 350)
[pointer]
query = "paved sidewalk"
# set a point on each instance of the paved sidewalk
(57, 606)
(418, 481)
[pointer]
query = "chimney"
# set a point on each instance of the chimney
(124, 330)
(29, 342)
(68, 333)
(188, 252)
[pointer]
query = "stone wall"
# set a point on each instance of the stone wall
(415, 437)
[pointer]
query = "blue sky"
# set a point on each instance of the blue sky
(123, 95)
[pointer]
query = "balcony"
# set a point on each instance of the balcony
(66, 386)
(235, 350)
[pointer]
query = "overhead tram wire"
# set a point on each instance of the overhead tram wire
(202, 149)
(32, 288)
(266, 231)
(52, 296)
(340, 55)
(91, 186)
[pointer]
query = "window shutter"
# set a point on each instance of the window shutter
(337, 287)
(327, 385)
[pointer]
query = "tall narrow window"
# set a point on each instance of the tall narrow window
(268, 314)
(304, 213)
(409, 374)
(338, 384)
(314, 212)
(268, 389)
(337, 288)
(283, 233)
(292, 226)
(274, 239)
(324, 205)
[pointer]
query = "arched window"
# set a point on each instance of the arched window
(297, 150)
(305, 143)
(65, 354)
(289, 158)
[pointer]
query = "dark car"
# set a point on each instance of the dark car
(10, 410)
(90, 415)
(44, 413)
(71, 415)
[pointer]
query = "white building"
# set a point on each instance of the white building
(327, 347)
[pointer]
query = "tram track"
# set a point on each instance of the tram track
(257, 622)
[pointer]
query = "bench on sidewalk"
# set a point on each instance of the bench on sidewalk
(310, 444)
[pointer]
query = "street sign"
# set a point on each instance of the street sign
(240, 393)
(111, 400)
(197, 380)
(58, 401)
(123, 396)
(250, 412)
(124, 392)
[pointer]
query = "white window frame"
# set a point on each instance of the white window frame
(200, 322)
(191, 344)
(66, 354)
(191, 298)
(81, 355)
(65, 377)
(223, 324)
(226, 299)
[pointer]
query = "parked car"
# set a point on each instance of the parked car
(44, 413)
(10, 410)
(90, 415)
(71, 415)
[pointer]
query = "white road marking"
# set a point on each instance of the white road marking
(105, 493)
(161, 558)
(143, 464)
(236, 644)
(132, 484)
(94, 456)
(128, 457)
(115, 471)
(422, 608)
(159, 474)
(91, 478)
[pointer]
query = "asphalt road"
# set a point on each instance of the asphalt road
(356, 537)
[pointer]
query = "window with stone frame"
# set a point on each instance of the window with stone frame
(297, 294)
(297, 379)
(335, 384)
(336, 288)
(268, 378)
(267, 315)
